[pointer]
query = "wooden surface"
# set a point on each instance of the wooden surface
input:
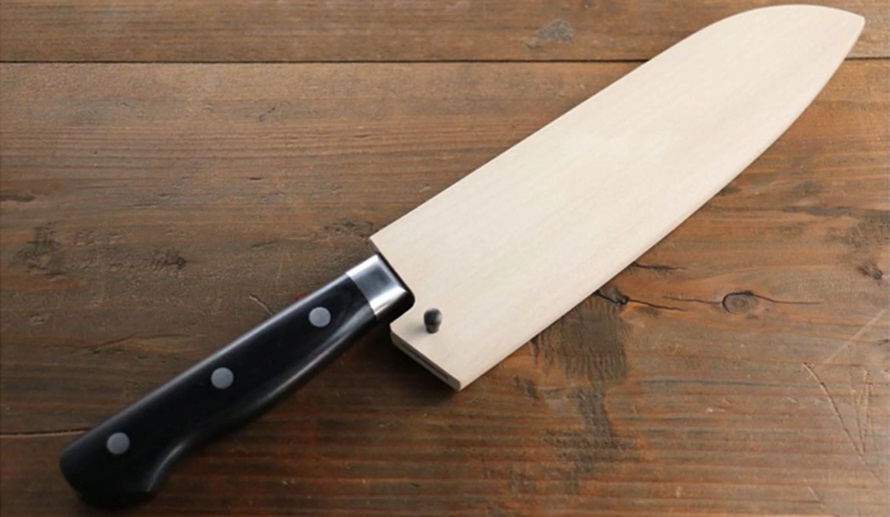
(518, 243)
(377, 30)
(150, 212)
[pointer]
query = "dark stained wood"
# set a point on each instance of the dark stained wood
(150, 213)
(373, 30)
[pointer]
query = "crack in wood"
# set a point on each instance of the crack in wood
(854, 337)
(620, 299)
(835, 408)
(45, 433)
(740, 301)
(817, 497)
(112, 343)
(256, 299)
(691, 300)
(771, 300)
(657, 267)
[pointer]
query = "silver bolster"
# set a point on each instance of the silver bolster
(378, 284)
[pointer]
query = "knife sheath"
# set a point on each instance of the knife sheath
(510, 248)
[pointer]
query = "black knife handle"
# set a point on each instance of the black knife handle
(124, 459)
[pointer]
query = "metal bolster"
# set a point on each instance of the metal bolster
(378, 284)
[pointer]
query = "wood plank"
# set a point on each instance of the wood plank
(372, 30)
(150, 213)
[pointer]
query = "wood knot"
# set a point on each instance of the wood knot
(871, 270)
(168, 259)
(613, 295)
(558, 31)
(739, 302)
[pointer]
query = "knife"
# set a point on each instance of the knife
(477, 271)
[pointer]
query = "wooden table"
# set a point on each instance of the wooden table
(175, 170)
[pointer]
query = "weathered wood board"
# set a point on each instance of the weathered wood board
(374, 30)
(151, 212)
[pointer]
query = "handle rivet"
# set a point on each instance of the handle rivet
(118, 443)
(432, 319)
(319, 317)
(222, 378)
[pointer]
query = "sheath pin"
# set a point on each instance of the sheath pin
(432, 319)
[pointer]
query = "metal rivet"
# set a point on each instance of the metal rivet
(222, 378)
(118, 443)
(432, 319)
(319, 317)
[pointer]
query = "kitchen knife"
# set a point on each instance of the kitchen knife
(469, 276)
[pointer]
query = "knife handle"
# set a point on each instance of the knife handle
(124, 459)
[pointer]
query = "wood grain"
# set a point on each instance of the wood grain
(150, 213)
(373, 30)
(515, 245)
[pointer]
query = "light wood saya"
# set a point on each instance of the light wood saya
(512, 247)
